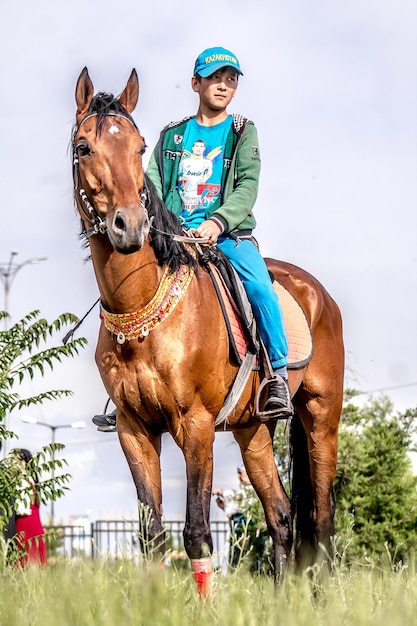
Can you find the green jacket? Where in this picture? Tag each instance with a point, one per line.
(240, 175)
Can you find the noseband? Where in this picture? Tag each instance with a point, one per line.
(87, 209)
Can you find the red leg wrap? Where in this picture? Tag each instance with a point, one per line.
(202, 572)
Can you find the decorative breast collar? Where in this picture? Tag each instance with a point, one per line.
(128, 326)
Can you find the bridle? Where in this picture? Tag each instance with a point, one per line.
(99, 225)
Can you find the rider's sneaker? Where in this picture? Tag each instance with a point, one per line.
(279, 399)
(106, 423)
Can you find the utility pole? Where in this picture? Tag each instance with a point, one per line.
(8, 273)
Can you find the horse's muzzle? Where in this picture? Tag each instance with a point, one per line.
(128, 229)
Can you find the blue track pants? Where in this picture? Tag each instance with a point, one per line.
(254, 275)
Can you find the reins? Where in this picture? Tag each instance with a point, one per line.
(189, 238)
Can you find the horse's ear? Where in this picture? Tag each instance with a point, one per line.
(84, 93)
(129, 97)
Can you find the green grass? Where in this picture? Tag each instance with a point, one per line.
(84, 593)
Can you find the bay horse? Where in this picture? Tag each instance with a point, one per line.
(174, 374)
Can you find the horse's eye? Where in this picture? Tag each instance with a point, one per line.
(143, 149)
(83, 149)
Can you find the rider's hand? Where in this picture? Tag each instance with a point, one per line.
(208, 230)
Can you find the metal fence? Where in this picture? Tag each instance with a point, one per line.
(115, 539)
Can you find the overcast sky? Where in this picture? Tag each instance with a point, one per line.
(332, 89)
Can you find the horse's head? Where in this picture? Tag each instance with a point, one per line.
(109, 180)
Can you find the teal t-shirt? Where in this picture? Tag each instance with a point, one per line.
(200, 170)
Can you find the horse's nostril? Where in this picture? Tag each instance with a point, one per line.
(119, 222)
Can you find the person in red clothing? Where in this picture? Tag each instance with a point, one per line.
(29, 528)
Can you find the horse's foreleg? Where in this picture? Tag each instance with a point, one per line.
(196, 442)
(257, 453)
(142, 451)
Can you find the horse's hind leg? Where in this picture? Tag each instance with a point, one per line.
(142, 450)
(314, 433)
(257, 452)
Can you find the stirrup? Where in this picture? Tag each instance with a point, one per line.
(105, 422)
(278, 413)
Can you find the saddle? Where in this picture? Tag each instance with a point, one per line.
(246, 348)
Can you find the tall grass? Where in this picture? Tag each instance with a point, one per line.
(85, 592)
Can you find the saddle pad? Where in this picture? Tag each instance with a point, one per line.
(297, 330)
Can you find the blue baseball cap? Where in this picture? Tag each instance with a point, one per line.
(213, 59)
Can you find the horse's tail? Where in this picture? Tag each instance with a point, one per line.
(301, 491)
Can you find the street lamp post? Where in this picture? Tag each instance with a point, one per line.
(53, 428)
(8, 273)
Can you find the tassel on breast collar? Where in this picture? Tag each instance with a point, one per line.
(128, 326)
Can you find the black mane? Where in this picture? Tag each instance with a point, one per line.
(104, 104)
(165, 223)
